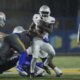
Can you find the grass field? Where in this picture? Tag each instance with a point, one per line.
(17, 77)
(69, 65)
(67, 61)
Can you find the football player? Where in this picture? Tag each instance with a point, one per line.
(43, 25)
(24, 62)
(9, 44)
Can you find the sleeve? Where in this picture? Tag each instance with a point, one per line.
(53, 21)
(32, 26)
(36, 18)
(14, 42)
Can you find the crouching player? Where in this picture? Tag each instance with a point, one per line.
(9, 44)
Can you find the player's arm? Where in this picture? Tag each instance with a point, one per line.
(32, 26)
(14, 41)
(33, 31)
(49, 28)
(46, 26)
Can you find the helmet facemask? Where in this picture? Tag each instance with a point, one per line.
(44, 15)
(44, 12)
(2, 22)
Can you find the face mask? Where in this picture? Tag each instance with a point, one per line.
(44, 15)
(44, 18)
(2, 23)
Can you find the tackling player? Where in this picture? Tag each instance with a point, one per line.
(43, 26)
(10, 42)
(24, 62)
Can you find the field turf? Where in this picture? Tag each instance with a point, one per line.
(69, 65)
(17, 77)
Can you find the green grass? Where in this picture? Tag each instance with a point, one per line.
(62, 62)
(67, 62)
(17, 77)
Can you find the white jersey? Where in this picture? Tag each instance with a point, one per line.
(42, 54)
(37, 18)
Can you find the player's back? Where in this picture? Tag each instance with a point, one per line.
(25, 38)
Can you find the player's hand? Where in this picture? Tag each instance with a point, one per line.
(43, 23)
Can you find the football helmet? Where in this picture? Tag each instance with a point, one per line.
(2, 19)
(44, 11)
(18, 29)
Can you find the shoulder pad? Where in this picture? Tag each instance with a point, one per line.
(36, 18)
(51, 20)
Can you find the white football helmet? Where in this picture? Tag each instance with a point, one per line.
(18, 29)
(2, 19)
(44, 11)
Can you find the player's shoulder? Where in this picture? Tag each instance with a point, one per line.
(36, 17)
(51, 19)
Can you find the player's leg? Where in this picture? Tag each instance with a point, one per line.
(40, 71)
(25, 60)
(23, 66)
(51, 53)
(22, 59)
(35, 53)
(24, 70)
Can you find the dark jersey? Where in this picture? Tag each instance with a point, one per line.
(26, 38)
(10, 44)
(18, 42)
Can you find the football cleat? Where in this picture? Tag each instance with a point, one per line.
(59, 75)
(21, 71)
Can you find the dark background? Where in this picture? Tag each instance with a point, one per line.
(66, 12)
(20, 12)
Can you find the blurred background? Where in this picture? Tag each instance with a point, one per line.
(66, 12)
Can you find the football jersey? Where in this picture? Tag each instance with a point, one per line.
(49, 20)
